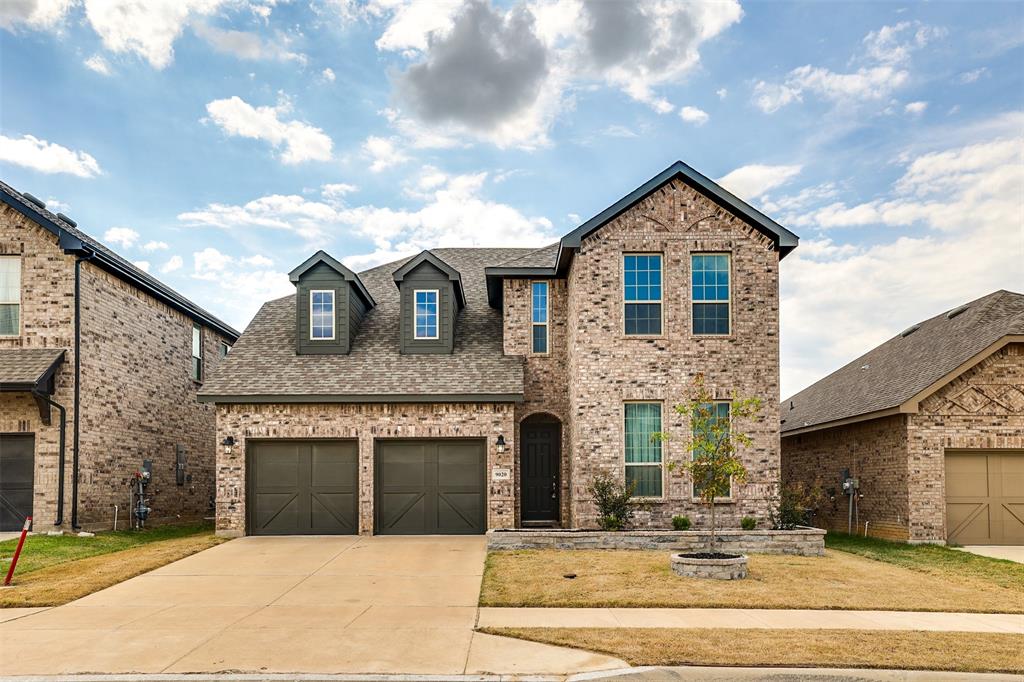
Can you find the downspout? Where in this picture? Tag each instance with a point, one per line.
(78, 387)
(60, 463)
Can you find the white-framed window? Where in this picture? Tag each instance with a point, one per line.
(642, 452)
(720, 410)
(321, 315)
(641, 294)
(539, 317)
(225, 348)
(197, 353)
(10, 295)
(711, 295)
(425, 322)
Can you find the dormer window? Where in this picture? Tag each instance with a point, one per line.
(321, 315)
(426, 314)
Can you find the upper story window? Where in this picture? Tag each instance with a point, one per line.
(426, 313)
(539, 317)
(10, 295)
(713, 415)
(321, 315)
(643, 453)
(197, 353)
(642, 293)
(224, 349)
(710, 293)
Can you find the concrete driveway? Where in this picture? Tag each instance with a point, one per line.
(1007, 552)
(289, 604)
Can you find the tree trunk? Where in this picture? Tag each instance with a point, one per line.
(712, 523)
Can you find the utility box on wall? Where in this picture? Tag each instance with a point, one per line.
(179, 466)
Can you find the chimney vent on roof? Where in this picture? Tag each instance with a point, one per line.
(34, 200)
(956, 311)
(909, 330)
(68, 220)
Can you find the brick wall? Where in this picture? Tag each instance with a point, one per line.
(875, 452)
(981, 409)
(364, 422)
(607, 368)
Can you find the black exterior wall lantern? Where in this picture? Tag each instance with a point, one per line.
(501, 443)
(228, 443)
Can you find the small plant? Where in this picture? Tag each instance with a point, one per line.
(680, 523)
(795, 505)
(748, 523)
(614, 502)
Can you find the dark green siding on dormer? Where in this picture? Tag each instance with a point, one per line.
(426, 276)
(348, 312)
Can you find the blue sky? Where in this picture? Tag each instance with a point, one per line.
(219, 142)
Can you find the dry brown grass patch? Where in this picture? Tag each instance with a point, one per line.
(65, 582)
(915, 650)
(838, 580)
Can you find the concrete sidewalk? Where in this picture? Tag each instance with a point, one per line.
(787, 619)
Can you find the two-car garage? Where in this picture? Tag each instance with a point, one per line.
(420, 487)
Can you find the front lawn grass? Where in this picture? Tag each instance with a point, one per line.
(945, 651)
(932, 559)
(642, 578)
(59, 569)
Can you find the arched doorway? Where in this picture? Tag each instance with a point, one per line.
(540, 455)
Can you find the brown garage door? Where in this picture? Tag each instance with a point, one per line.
(427, 487)
(17, 465)
(303, 487)
(985, 497)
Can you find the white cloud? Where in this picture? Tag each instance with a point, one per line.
(258, 261)
(384, 153)
(173, 263)
(770, 97)
(615, 130)
(328, 75)
(291, 213)
(209, 263)
(155, 246)
(694, 115)
(34, 14)
(915, 108)
(143, 265)
(973, 75)
(894, 44)
(47, 157)
(335, 191)
(751, 181)
(722, 93)
(301, 141)
(958, 233)
(98, 64)
(125, 237)
(247, 45)
(239, 284)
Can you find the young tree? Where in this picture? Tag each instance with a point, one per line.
(714, 443)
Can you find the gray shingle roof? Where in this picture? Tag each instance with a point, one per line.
(110, 260)
(264, 363)
(543, 257)
(899, 369)
(26, 366)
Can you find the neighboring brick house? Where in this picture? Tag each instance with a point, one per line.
(930, 423)
(144, 351)
(470, 388)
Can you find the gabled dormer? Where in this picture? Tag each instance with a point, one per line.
(431, 298)
(330, 304)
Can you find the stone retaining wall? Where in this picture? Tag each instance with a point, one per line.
(801, 541)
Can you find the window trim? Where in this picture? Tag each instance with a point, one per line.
(19, 303)
(719, 499)
(197, 371)
(660, 465)
(660, 302)
(437, 315)
(334, 315)
(547, 318)
(225, 349)
(728, 302)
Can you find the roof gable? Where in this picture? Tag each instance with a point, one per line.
(321, 257)
(427, 258)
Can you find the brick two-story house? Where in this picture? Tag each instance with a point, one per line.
(466, 389)
(99, 368)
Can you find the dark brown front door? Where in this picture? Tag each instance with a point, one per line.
(303, 487)
(539, 471)
(17, 472)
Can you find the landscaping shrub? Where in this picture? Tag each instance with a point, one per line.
(680, 523)
(614, 502)
(748, 523)
(795, 505)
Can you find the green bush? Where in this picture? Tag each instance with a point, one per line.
(614, 502)
(680, 523)
(796, 505)
(748, 523)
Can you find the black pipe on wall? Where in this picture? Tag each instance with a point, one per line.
(60, 462)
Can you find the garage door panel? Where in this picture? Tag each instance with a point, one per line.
(985, 497)
(17, 476)
(430, 486)
(303, 487)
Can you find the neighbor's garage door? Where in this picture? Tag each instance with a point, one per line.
(17, 465)
(985, 497)
(430, 487)
(303, 487)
